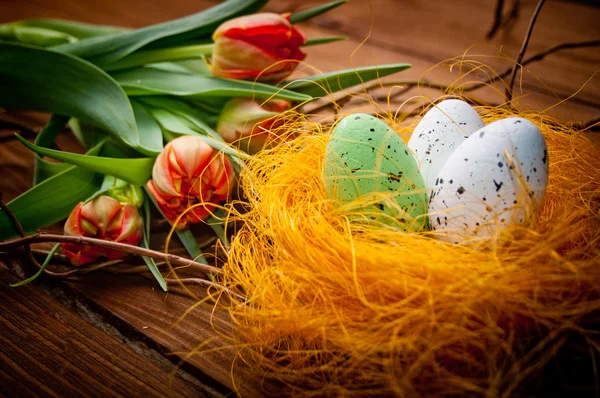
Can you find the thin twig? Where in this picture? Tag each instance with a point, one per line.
(497, 20)
(513, 75)
(534, 58)
(409, 85)
(500, 21)
(591, 126)
(82, 240)
(513, 15)
(20, 230)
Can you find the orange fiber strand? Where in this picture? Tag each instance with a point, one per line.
(338, 308)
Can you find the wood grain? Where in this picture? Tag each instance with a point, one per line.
(48, 350)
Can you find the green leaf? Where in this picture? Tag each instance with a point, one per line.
(42, 268)
(176, 116)
(34, 36)
(78, 30)
(161, 55)
(178, 125)
(47, 81)
(171, 122)
(185, 235)
(146, 243)
(313, 12)
(135, 171)
(328, 83)
(106, 49)
(216, 223)
(44, 169)
(196, 66)
(86, 134)
(191, 245)
(323, 40)
(149, 130)
(152, 81)
(50, 201)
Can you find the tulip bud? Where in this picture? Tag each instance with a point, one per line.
(249, 124)
(187, 172)
(127, 193)
(263, 46)
(104, 218)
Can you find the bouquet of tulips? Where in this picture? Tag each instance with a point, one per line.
(156, 110)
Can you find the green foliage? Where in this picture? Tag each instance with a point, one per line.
(328, 83)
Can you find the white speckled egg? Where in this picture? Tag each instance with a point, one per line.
(365, 159)
(498, 176)
(442, 129)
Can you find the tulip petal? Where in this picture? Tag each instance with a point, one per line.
(262, 46)
(100, 212)
(72, 226)
(191, 154)
(234, 58)
(131, 226)
(161, 174)
(253, 24)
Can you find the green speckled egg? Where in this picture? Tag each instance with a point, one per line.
(366, 159)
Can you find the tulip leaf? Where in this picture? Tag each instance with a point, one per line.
(323, 40)
(103, 50)
(204, 110)
(44, 169)
(171, 122)
(216, 223)
(146, 243)
(176, 116)
(178, 125)
(185, 236)
(328, 83)
(152, 81)
(135, 171)
(50, 201)
(191, 245)
(42, 268)
(47, 81)
(34, 36)
(150, 133)
(197, 66)
(141, 58)
(313, 12)
(78, 30)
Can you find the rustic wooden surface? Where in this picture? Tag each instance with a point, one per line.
(105, 334)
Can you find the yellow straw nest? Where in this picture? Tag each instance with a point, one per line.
(339, 308)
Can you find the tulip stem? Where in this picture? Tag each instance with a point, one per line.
(124, 247)
(161, 55)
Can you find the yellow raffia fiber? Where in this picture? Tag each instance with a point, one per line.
(336, 308)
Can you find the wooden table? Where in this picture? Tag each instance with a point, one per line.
(109, 335)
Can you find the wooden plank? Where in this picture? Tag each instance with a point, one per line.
(47, 350)
(436, 30)
(161, 317)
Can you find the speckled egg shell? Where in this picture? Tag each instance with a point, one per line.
(498, 176)
(442, 129)
(366, 159)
